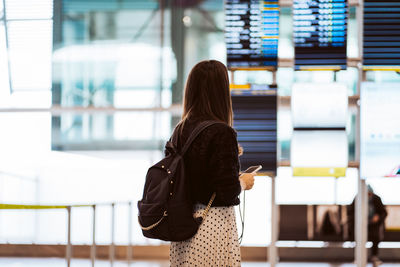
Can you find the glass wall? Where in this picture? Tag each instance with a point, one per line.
(90, 91)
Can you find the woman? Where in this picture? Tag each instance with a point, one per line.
(212, 165)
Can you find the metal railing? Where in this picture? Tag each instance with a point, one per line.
(68, 208)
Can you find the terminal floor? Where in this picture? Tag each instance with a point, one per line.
(55, 262)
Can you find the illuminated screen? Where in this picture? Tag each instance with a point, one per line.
(392, 221)
(319, 153)
(251, 33)
(319, 145)
(319, 105)
(320, 33)
(255, 123)
(380, 129)
(381, 46)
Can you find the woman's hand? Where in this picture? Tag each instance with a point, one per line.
(375, 218)
(240, 148)
(247, 180)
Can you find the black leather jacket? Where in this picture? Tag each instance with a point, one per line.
(212, 164)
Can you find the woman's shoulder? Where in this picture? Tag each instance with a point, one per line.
(219, 133)
(222, 128)
(218, 128)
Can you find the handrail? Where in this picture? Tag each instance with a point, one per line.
(58, 110)
(68, 257)
(9, 206)
(30, 207)
(175, 109)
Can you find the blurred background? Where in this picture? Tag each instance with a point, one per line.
(90, 90)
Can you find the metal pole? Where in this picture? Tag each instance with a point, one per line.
(161, 50)
(274, 77)
(360, 27)
(272, 250)
(7, 46)
(158, 116)
(129, 249)
(37, 199)
(364, 213)
(112, 246)
(93, 250)
(361, 224)
(69, 246)
(335, 200)
(361, 74)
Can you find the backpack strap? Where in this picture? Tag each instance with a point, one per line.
(172, 143)
(199, 128)
(174, 137)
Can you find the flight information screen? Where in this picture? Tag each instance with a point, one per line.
(380, 130)
(320, 34)
(255, 113)
(381, 46)
(251, 33)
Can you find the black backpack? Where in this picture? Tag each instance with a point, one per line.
(166, 211)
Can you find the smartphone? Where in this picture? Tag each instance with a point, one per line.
(253, 169)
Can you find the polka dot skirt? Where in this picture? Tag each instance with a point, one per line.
(215, 243)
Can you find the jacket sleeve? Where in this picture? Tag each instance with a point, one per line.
(224, 165)
(380, 209)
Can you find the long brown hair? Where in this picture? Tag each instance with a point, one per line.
(207, 94)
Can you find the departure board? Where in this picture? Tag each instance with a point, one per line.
(381, 45)
(379, 131)
(320, 34)
(255, 113)
(251, 33)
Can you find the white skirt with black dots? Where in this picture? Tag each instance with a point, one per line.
(215, 243)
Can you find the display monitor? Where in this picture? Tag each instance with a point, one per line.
(320, 34)
(322, 153)
(251, 33)
(380, 130)
(392, 222)
(255, 113)
(319, 106)
(381, 41)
